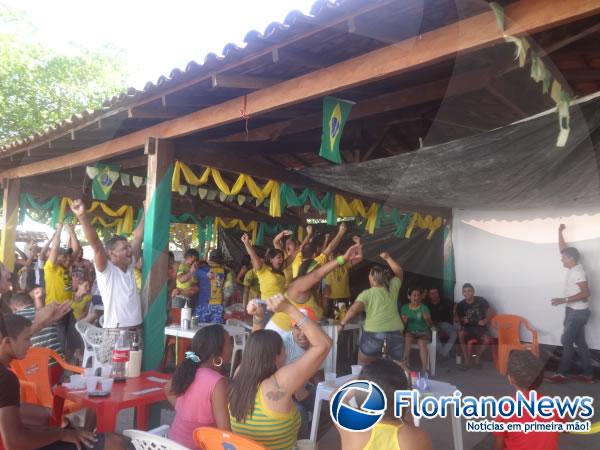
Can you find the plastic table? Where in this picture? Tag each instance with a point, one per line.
(123, 395)
(437, 389)
(179, 333)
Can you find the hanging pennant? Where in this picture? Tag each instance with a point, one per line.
(222, 196)
(212, 195)
(91, 171)
(125, 179)
(193, 190)
(241, 199)
(182, 189)
(335, 115)
(103, 182)
(202, 193)
(137, 181)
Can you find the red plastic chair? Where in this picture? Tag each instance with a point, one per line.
(34, 375)
(508, 328)
(209, 438)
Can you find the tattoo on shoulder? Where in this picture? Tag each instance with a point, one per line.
(275, 395)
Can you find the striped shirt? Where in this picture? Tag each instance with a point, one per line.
(46, 337)
(274, 430)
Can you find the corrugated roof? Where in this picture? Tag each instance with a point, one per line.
(276, 32)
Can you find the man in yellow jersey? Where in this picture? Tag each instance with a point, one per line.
(59, 286)
(337, 285)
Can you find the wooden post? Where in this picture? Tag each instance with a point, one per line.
(10, 215)
(156, 248)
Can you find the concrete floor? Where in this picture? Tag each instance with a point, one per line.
(484, 381)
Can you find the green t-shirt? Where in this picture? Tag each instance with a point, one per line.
(416, 323)
(381, 307)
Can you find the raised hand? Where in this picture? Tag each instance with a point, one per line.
(278, 303)
(309, 229)
(78, 208)
(353, 252)
(356, 239)
(245, 239)
(384, 255)
(287, 232)
(343, 227)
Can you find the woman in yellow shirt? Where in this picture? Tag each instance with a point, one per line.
(390, 433)
(269, 272)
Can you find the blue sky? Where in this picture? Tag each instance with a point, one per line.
(156, 36)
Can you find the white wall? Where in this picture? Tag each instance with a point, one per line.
(513, 261)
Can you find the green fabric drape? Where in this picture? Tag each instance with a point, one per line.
(400, 220)
(26, 201)
(449, 274)
(327, 203)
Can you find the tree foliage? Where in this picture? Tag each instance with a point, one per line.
(40, 86)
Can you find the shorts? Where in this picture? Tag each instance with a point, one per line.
(179, 301)
(60, 445)
(371, 344)
(425, 335)
(475, 332)
(210, 313)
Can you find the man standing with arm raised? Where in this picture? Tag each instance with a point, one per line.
(115, 264)
(577, 314)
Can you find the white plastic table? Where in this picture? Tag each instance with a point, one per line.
(331, 329)
(437, 389)
(175, 330)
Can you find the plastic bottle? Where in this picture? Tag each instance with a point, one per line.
(135, 358)
(186, 316)
(120, 357)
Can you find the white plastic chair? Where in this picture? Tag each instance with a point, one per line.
(88, 351)
(432, 350)
(239, 339)
(146, 440)
(102, 340)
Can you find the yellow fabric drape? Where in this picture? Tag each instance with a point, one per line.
(271, 188)
(124, 213)
(425, 223)
(117, 223)
(251, 227)
(357, 208)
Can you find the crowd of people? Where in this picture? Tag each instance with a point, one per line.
(286, 292)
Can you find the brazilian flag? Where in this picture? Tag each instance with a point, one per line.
(104, 181)
(335, 114)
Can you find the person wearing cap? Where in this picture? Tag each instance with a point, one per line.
(59, 285)
(577, 314)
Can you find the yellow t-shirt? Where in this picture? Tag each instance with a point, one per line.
(137, 274)
(283, 321)
(320, 260)
(58, 283)
(217, 281)
(184, 268)
(251, 281)
(79, 307)
(271, 283)
(384, 436)
(288, 272)
(339, 282)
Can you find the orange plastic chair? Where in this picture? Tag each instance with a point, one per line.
(508, 328)
(34, 376)
(209, 438)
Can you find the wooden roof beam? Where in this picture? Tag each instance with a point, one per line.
(241, 82)
(523, 17)
(300, 57)
(144, 112)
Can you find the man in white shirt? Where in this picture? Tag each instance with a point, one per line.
(114, 263)
(577, 314)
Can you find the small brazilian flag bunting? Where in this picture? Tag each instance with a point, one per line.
(137, 181)
(335, 115)
(103, 182)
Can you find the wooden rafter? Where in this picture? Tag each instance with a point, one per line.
(467, 35)
(241, 82)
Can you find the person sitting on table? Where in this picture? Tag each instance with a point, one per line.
(198, 390)
(383, 323)
(417, 323)
(186, 286)
(261, 400)
(473, 314)
(390, 433)
(15, 340)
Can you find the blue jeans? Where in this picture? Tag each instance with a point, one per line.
(448, 329)
(574, 333)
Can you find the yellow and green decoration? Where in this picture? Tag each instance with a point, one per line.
(335, 115)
